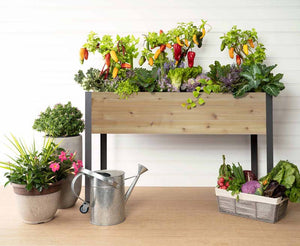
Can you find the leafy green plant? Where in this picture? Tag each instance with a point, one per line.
(145, 79)
(286, 174)
(258, 77)
(126, 88)
(60, 121)
(226, 76)
(37, 169)
(235, 185)
(92, 81)
(179, 75)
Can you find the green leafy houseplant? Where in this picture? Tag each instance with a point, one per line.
(60, 121)
(37, 169)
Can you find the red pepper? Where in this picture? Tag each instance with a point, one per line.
(86, 54)
(177, 51)
(162, 47)
(191, 56)
(107, 59)
(238, 60)
(125, 65)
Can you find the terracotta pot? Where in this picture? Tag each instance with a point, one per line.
(37, 207)
(67, 198)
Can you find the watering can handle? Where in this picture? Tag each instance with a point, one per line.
(92, 174)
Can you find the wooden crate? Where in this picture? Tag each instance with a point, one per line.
(162, 113)
(251, 206)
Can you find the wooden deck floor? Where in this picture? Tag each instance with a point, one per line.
(156, 217)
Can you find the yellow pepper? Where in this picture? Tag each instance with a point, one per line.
(195, 39)
(157, 53)
(114, 56)
(81, 54)
(115, 72)
(179, 41)
(203, 33)
(169, 45)
(245, 49)
(186, 43)
(150, 61)
(231, 52)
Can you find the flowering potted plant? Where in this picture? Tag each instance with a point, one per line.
(64, 124)
(36, 177)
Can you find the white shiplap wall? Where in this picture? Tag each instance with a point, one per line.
(39, 57)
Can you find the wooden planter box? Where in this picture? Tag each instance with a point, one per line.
(162, 113)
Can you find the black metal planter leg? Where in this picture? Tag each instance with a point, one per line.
(88, 141)
(269, 109)
(254, 155)
(103, 144)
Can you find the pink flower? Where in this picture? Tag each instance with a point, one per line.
(74, 165)
(62, 156)
(79, 164)
(54, 166)
(71, 156)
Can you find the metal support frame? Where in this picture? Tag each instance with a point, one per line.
(269, 136)
(88, 140)
(103, 151)
(254, 155)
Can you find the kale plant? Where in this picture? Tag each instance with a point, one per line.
(92, 80)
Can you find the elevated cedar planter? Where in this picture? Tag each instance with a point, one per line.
(161, 113)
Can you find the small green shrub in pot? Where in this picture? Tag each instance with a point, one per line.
(60, 121)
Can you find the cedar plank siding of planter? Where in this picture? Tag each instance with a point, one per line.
(162, 113)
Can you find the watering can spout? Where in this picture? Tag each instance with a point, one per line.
(141, 170)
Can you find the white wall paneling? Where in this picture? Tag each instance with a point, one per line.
(40, 41)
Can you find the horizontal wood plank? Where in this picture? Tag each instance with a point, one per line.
(162, 113)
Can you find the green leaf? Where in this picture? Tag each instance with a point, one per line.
(201, 101)
(207, 89)
(183, 105)
(271, 89)
(193, 105)
(279, 176)
(196, 93)
(242, 90)
(189, 100)
(277, 78)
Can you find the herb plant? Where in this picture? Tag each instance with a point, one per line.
(60, 121)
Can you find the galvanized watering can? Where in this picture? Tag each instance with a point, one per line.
(107, 195)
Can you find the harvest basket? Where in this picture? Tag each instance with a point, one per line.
(251, 206)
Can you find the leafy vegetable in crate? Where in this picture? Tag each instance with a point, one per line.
(286, 174)
(249, 175)
(251, 187)
(274, 189)
(225, 175)
(235, 185)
